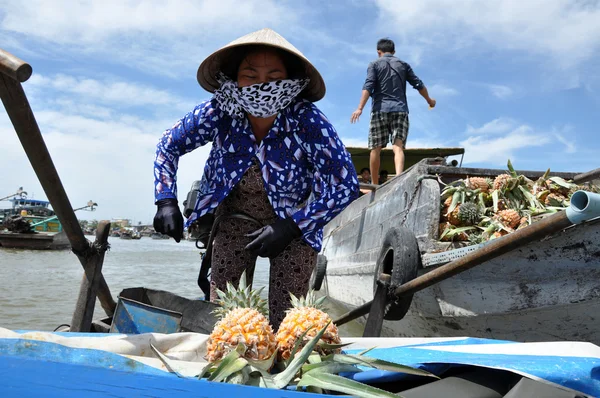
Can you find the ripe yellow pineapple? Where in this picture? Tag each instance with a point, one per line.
(306, 312)
(478, 183)
(501, 181)
(453, 217)
(509, 218)
(499, 234)
(523, 223)
(243, 320)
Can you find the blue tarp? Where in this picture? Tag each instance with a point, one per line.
(573, 365)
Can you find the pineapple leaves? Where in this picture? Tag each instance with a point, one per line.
(496, 200)
(330, 367)
(283, 378)
(341, 384)
(511, 169)
(455, 199)
(328, 346)
(230, 364)
(562, 182)
(379, 364)
(297, 345)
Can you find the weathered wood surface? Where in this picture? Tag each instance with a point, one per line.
(88, 291)
(451, 173)
(586, 177)
(37, 241)
(546, 290)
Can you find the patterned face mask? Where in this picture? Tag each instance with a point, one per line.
(260, 100)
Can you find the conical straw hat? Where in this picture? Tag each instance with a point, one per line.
(207, 72)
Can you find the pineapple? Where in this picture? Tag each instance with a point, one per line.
(555, 199)
(524, 222)
(465, 214)
(306, 312)
(448, 201)
(498, 234)
(469, 214)
(243, 320)
(509, 218)
(480, 183)
(453, 216)
(501, 181)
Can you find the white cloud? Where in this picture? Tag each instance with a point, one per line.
(567, 31)
(497, 150)
(165, 38)
(569, 145)
(102, 146)
(502, 139)
(109, 161)
(441, 90)
(496, 126)
(500, 91)
(113, 92)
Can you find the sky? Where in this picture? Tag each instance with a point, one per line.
(513, 79)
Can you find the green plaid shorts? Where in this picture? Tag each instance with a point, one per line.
(387, 127)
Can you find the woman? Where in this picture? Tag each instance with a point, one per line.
(274, 157)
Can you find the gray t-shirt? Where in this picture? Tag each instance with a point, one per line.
(386, 82)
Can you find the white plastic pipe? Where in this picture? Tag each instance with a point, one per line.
(584, 206)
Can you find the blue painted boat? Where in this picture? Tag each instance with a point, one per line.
(123, 365)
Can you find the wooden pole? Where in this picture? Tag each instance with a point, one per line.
(84, 310)
(377, 309)
(585, 177)
(20, 114)
(13, 67)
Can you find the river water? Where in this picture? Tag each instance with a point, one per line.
(39, 289)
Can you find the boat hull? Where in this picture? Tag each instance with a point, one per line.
(37, 241)
(546, 290)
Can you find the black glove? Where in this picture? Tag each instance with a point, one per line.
(270, 241)
(168, 219)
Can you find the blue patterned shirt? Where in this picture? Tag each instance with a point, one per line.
(307, 172)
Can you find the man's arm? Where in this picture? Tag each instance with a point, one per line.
(361, 104)
(419, 86)
(425, 94)
(366, 92)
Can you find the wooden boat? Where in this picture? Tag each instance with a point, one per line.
(546, 290)
(35, 241)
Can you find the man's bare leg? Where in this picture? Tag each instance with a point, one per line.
(374, 161)
(398, 149)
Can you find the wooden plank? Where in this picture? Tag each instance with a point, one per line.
(84, 309)
(450, 173)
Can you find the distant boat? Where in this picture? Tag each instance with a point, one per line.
(33, 211)
(35, 241)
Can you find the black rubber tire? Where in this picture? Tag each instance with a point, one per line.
(318, 275)
(400, 257)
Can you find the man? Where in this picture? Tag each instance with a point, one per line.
(365, 175)
(383, 176)
(386, 85)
